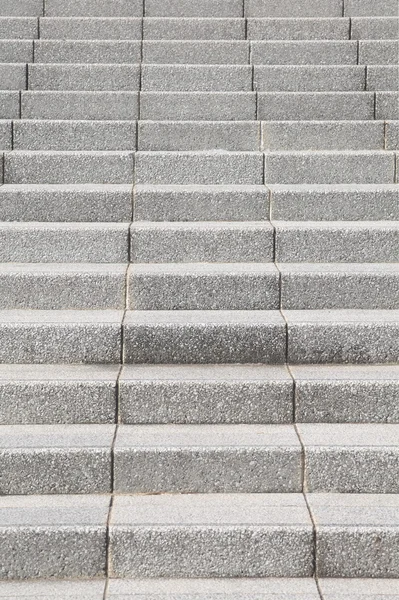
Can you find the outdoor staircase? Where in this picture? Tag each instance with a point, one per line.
(199, 300)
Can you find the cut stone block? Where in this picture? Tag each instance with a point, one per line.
(194, 28)
(193, 8)
(43, 536)
(285, 8)
(359, 589)
(207, 459)
(204, 337)
(9, 105)
(49, 590)
(39, 394)
(379, 52)
(304, 52)
(383, 78)
(392, 135)
(193, 52)
(309, 78)
(18, 28)
(13, 76)
(75, 77)
(320, 106)
(387, 105)
(374, 28)
(211, 535)
(298, 28)
(87, 51)
(16, 51)
(55, 459)
(22, 8)
(205, 394)
(374, 8)
(5, 135)
(90, 28)
(196, 78)
(94, 8)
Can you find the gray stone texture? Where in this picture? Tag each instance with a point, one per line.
(18, 28)
(79, 105)
(196, 78)
(55, 459)
(342, 336)
(387, 105)
(194, 51)
(57, 394)
(92, 51)
(207, 459)
(60, 336)
(5, 135)
(201, 242)
(94, 8)
(217, 286)
(212, 167)
(61, 203)
(43, 536)
(64, 242)
(198, 203)
(309, 78)
(57, 167)
(307, 28)
(392, 135)
(359, 589)
(9, 105)
(13, 76)
(90, 28)
(379, 52)
(374, 28)
(193, 28)
(285, 8)
(193, 8)
(304, 52)
(205, 394)
(382, 78)
(200, 106)
(51, 590)
(204, 337)
(373, 8)
(22, 8)
(346, 393)
(16, 51)
(357, 535)
(75, 77)
(211, 535)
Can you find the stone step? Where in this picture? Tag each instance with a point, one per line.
(311, 78)
(6, 135)
(77, 105)
(74, 135)
(299, 28)
(13, 76)
(338, 286)
(193, 28)
(16, 51)
(18, 28)
(202, 203)
(91, 28)
(387, 105)
(78, 77)
(212, 167)
(33, 242)
(202, 286)
(305, 8)
(192, 52)
(334, 589)
(378, 52)
(54, 337)
(382, 78)
(59, 394)
(191, 8)
(330, 167)
(94, 8)
(23, 8)
(340, 242)
(371, 8)
(301, 52)
(320, 106)
(196, 78)
(198, 106)
(9, 104)
(204, 241)
(67, 203)
(54, 167)
(342, 336)
(374, 28)
(334, 202)
(205, 337)
(87, 51)
(62, 286)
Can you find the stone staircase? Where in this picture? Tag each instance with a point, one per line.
(199, 300)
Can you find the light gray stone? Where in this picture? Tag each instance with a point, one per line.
(198, 135)
(93, 77)
(68, 167)
(13, 76)
(201, 242)
(62, 286)
(322, 241)
(16, 51)
(333, 202)
(18, 28)
(359, 589)
(79, 105)
(323, 135)
(51, 590)
(22, 8)
(87, 51)
(374, 28)
(204, 337)
(357, 535)
(302, 52)
(205, 394)
(343, 336)
(344, 394)
(211, 535)
(60, 394)
(199, 203)
(76, 203)
(90, 28)
(195, 28)
(192, 106)
(339, 285)
(212, 167)
(392, 135)
(64, 242)
(307, 28)
(309, 78)
(43, 536)
(374, 8)
(196, 78)
(94, 8)
(207, 459)
(382, 78)
(320, 106)
(351, 458)
(387, 105)
(379, 52)
(193, 52)
(5, 135)
(55, 459)
(193, 8)
(74, 135)
(9, 105)
(202, 286)
(60, 336)
(285, 8)
(329, 167)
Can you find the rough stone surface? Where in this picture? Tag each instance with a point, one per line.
(193, 8)
(22, 8)
(285, 8)
(93, 51)
(196, 78)
(13, 76)
(93, 77)
(392, 135)
(359, 589)
(196, 52)
(94, 28)
(51, 590)
(193, 28)
(387, 105)
(16, 51)
(381, 52)
(304, 52)
(94, 8)
(383, 78)
(374, 8)
(9, 105)
(374, 28)
(307, 28)
(18, 28)
(320, 106)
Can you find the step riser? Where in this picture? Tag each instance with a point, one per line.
(83, 77)
(91, 52)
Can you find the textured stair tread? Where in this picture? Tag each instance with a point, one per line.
(16, 51)
(354, 510)
(60, 317)
(87, 51)
(58, 373)
(49, 590)
(359, 589)
(304, 52)
(374, 28)
(378, 52)
(193, 28)
(202, 269)
(301, 28)
(67, 437)
(94, 8)
(196, 52)
(339, 225)
(344, 317)
(339, 269)
(352, 435)
(204, 373)
(18, 28)
(187, 8)
(84, 77)
(309, 78)
(196, 78)
(90, 28)
(306, 8)
(199, 317)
